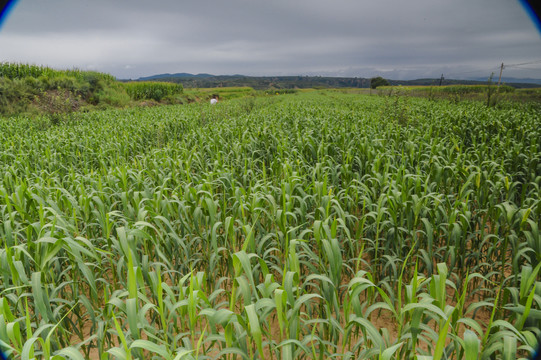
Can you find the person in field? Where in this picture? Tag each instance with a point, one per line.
(214, 100)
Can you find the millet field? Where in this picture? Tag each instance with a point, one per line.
(316, 225)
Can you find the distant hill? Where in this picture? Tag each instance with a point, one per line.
(258, 82)
(174, 76)
(302, 82)
(509, 80)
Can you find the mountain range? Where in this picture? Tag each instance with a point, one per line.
(290, 82)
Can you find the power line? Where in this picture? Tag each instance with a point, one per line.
(518, 65)
(525, 68)
(526, 63)
(473, 71)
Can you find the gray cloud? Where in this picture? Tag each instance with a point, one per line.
(396, 38)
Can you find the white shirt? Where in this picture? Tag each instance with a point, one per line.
(213, 101)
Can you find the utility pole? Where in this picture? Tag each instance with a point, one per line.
(441, 79)
(501, 70)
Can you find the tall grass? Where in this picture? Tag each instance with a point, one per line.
(21, 71)
(310, 227)
(152, 90)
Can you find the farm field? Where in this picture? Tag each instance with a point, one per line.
(302, 226)
(490, 94)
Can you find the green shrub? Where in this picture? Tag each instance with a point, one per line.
(151, 90)
(378, 81)
(15, 95)
(281, 91)
(112, 95)
(173, 100)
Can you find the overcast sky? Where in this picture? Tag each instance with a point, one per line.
(397, 39)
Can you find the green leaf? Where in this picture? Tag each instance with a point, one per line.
(71, 353)
(471, 345)
(255, 329)
(440, 345)
(389, 352)
(509, 348)
(152, 347)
